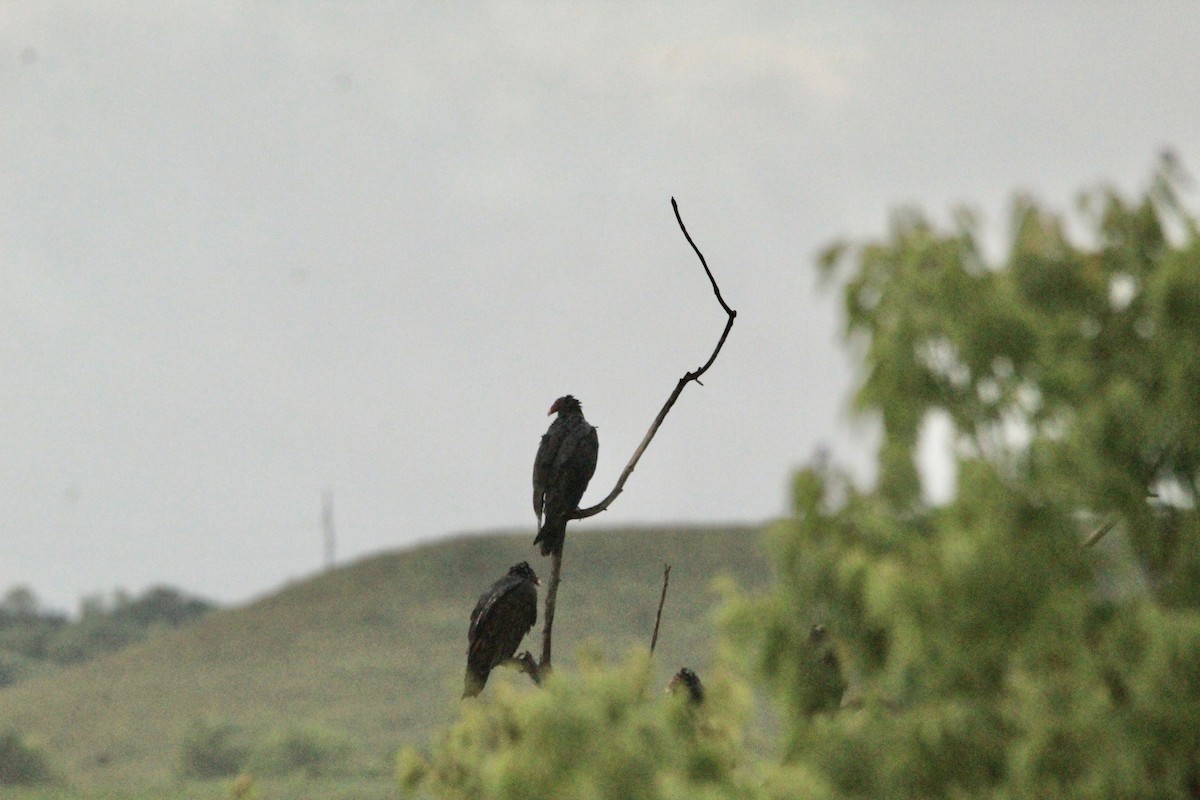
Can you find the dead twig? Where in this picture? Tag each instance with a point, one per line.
(662, 598)
(1100, 533)
(684, 381)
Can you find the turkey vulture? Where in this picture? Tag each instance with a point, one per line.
(502, 617)
(686, 678)
(565, 462)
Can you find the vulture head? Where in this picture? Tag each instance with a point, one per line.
(567, 404)
(525, 572)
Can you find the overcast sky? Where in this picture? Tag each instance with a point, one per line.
(252, 251)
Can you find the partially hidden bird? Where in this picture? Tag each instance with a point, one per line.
(686, 679)
(502, 617)
(564, 464)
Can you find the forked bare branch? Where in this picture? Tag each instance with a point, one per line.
(684, 381)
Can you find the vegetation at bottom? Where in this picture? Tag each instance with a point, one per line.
(243, 787)
(592, 732)
(1037, 635)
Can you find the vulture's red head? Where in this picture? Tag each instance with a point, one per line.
(567, 404)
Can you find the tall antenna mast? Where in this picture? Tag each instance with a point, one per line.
(327, 527)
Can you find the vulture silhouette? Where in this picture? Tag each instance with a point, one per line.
(686, 679)
(502, 617)
(564, 464)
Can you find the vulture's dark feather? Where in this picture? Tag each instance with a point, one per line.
(686, 679)
(565, 462)
(502, 617)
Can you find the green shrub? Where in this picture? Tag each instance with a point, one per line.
(23, 763)
(16, 667)
(311, 749)
(598, 733)
(212, 749)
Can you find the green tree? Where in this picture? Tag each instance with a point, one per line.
(161, 606)
(989, 649)
(25, 633)
(108, 625)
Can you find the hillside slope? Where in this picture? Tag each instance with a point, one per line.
(374, 649)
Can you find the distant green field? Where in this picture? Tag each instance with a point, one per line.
(295, 788)
(373, 650)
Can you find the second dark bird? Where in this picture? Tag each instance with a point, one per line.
(687, 680)
(564, 465)
(502, 617)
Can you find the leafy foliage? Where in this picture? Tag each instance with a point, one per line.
(600, 732)
(1071, 368)
(986, 648)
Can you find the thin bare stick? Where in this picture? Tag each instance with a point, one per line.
(684, 381)
(551, 599)
(1100, 532)
(661, 599)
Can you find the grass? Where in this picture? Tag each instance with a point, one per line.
(373, 651)
(294, 788)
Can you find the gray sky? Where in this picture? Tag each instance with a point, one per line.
(251, 251)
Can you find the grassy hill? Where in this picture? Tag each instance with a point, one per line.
(375, 649)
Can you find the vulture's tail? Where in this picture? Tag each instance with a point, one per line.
(551, 536)
(473, 684)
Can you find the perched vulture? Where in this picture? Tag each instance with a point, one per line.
(502, 617)
(565, 462)
(685, 678)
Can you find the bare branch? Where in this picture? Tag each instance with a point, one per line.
(661, 599)
(551, 599)
(684, 381)
(1100, 532)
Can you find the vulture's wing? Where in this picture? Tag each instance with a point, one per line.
(543, 464)
(571, 431)
(501, 621)
(487, 601)
(577, 463)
